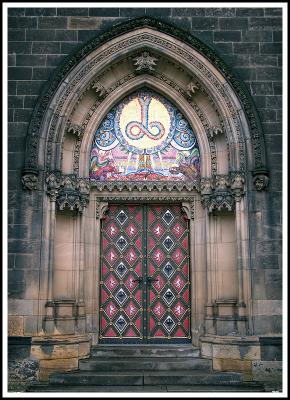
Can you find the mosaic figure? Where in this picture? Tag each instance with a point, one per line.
(144, 137)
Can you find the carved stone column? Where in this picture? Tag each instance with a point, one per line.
(53, 184)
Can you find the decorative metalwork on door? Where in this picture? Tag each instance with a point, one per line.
(145, 292)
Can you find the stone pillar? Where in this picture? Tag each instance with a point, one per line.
(53, 183)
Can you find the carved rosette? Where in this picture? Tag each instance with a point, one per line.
(69, 192)
(260, 179)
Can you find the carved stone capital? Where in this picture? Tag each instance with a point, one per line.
(29, 179)
(101, 209)
(227, 190)
(260, 179)
(68, 191)
(189, 209)
(145, 62)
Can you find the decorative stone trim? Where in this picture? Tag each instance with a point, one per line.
(68, 191)
(223, 191)
(145, 186)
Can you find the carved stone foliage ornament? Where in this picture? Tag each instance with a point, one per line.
(222, 192)
(145, 62)
(74, 129)
(99, 89)
(192, 87)
(69, 192)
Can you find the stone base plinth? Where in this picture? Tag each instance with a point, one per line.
(248, 355)
(59, 353)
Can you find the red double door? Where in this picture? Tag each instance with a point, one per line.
(145, 293)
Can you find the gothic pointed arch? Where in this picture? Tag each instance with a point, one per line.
(146, 52)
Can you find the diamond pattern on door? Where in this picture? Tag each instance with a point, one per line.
(121, 312)
(172, 270)
(144, 274)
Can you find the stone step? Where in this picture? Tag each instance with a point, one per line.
(144, 351)
(146, 389)
(153, 378)
(150, 363)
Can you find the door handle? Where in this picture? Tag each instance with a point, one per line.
(139, 280)
(150, 279)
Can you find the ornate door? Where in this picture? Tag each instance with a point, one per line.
(144, 275)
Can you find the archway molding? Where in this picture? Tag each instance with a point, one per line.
(202, 71)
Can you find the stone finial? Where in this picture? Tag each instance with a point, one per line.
(29, 181)
(191, 88)
(145, 62)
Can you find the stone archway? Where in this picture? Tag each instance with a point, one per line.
(146, 52)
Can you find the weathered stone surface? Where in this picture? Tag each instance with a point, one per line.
(228, 364)
(65, 364)
(267, 370)
(51, 352)
(84, 349)
(250, 352)
(206, 350)
(15, 325)
(224, 351)
(267, 307)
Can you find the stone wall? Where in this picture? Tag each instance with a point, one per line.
(249, 40)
